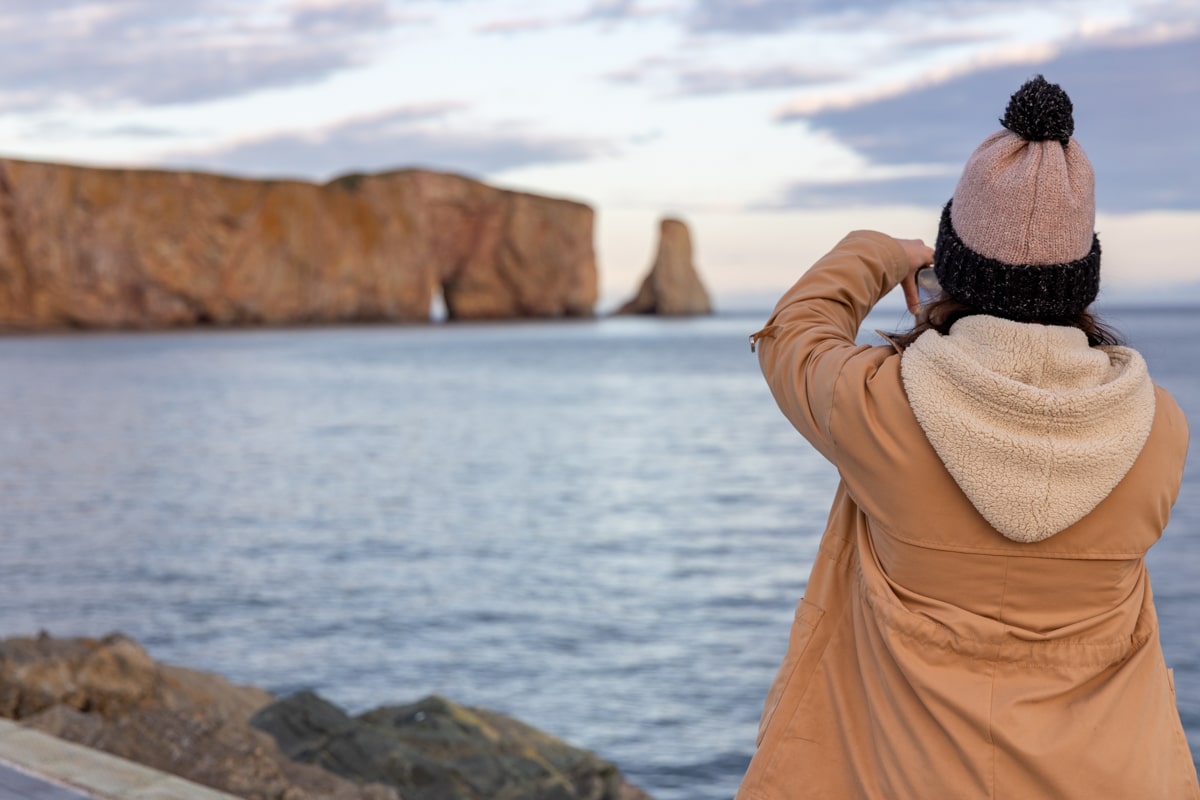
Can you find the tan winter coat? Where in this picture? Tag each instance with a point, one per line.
(979, 620)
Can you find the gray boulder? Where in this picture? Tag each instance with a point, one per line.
(435, 749)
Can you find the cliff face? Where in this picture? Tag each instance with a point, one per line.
(673, 286)
(110, 248)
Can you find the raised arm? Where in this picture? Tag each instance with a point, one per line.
(809, 339)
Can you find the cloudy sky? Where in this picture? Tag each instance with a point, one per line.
(772, 127)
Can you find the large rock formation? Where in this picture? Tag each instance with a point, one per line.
(110, 695)
(117, 248)
(673, 286)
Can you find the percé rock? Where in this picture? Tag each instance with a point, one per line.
(109, 694)
(435, 749)
(129, 248)
(673, 286)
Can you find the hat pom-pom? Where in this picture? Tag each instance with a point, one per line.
(1040, 111)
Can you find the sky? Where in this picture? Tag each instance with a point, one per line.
(771, 127)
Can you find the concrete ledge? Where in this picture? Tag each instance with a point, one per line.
(93, 772)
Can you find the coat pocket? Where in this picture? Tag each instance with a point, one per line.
(803, 626)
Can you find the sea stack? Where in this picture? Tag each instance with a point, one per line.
(673, 286)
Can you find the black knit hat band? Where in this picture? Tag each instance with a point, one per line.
(1020, 292)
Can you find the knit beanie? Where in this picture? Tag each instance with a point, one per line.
(1017, 240)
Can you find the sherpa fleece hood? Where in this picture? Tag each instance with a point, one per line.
(1035, 426)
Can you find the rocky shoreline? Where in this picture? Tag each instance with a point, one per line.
(109, 694)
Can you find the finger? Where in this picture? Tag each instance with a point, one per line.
(911, 296)
(921, 255)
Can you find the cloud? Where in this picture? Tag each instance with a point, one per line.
(604, 12)
(643, 71)
(921, 190)
(760, 17)
(952, 38)
(692, 81)
(147, 52)
(421, 136)
(769, 16)
(138, 132)
(718, 81)
(1137, 107)
(516, 25)
(619, 11)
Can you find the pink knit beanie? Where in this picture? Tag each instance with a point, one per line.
(1017, 240)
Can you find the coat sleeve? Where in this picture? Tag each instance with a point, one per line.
(807, 348)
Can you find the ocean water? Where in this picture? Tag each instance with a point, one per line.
(601, 527)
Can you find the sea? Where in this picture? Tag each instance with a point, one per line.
(600, 526)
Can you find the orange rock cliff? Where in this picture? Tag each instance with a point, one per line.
(123, 248)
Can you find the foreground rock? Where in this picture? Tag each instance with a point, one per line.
(110, 695)
(113, 248)
(438, 750)
(673, 286)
